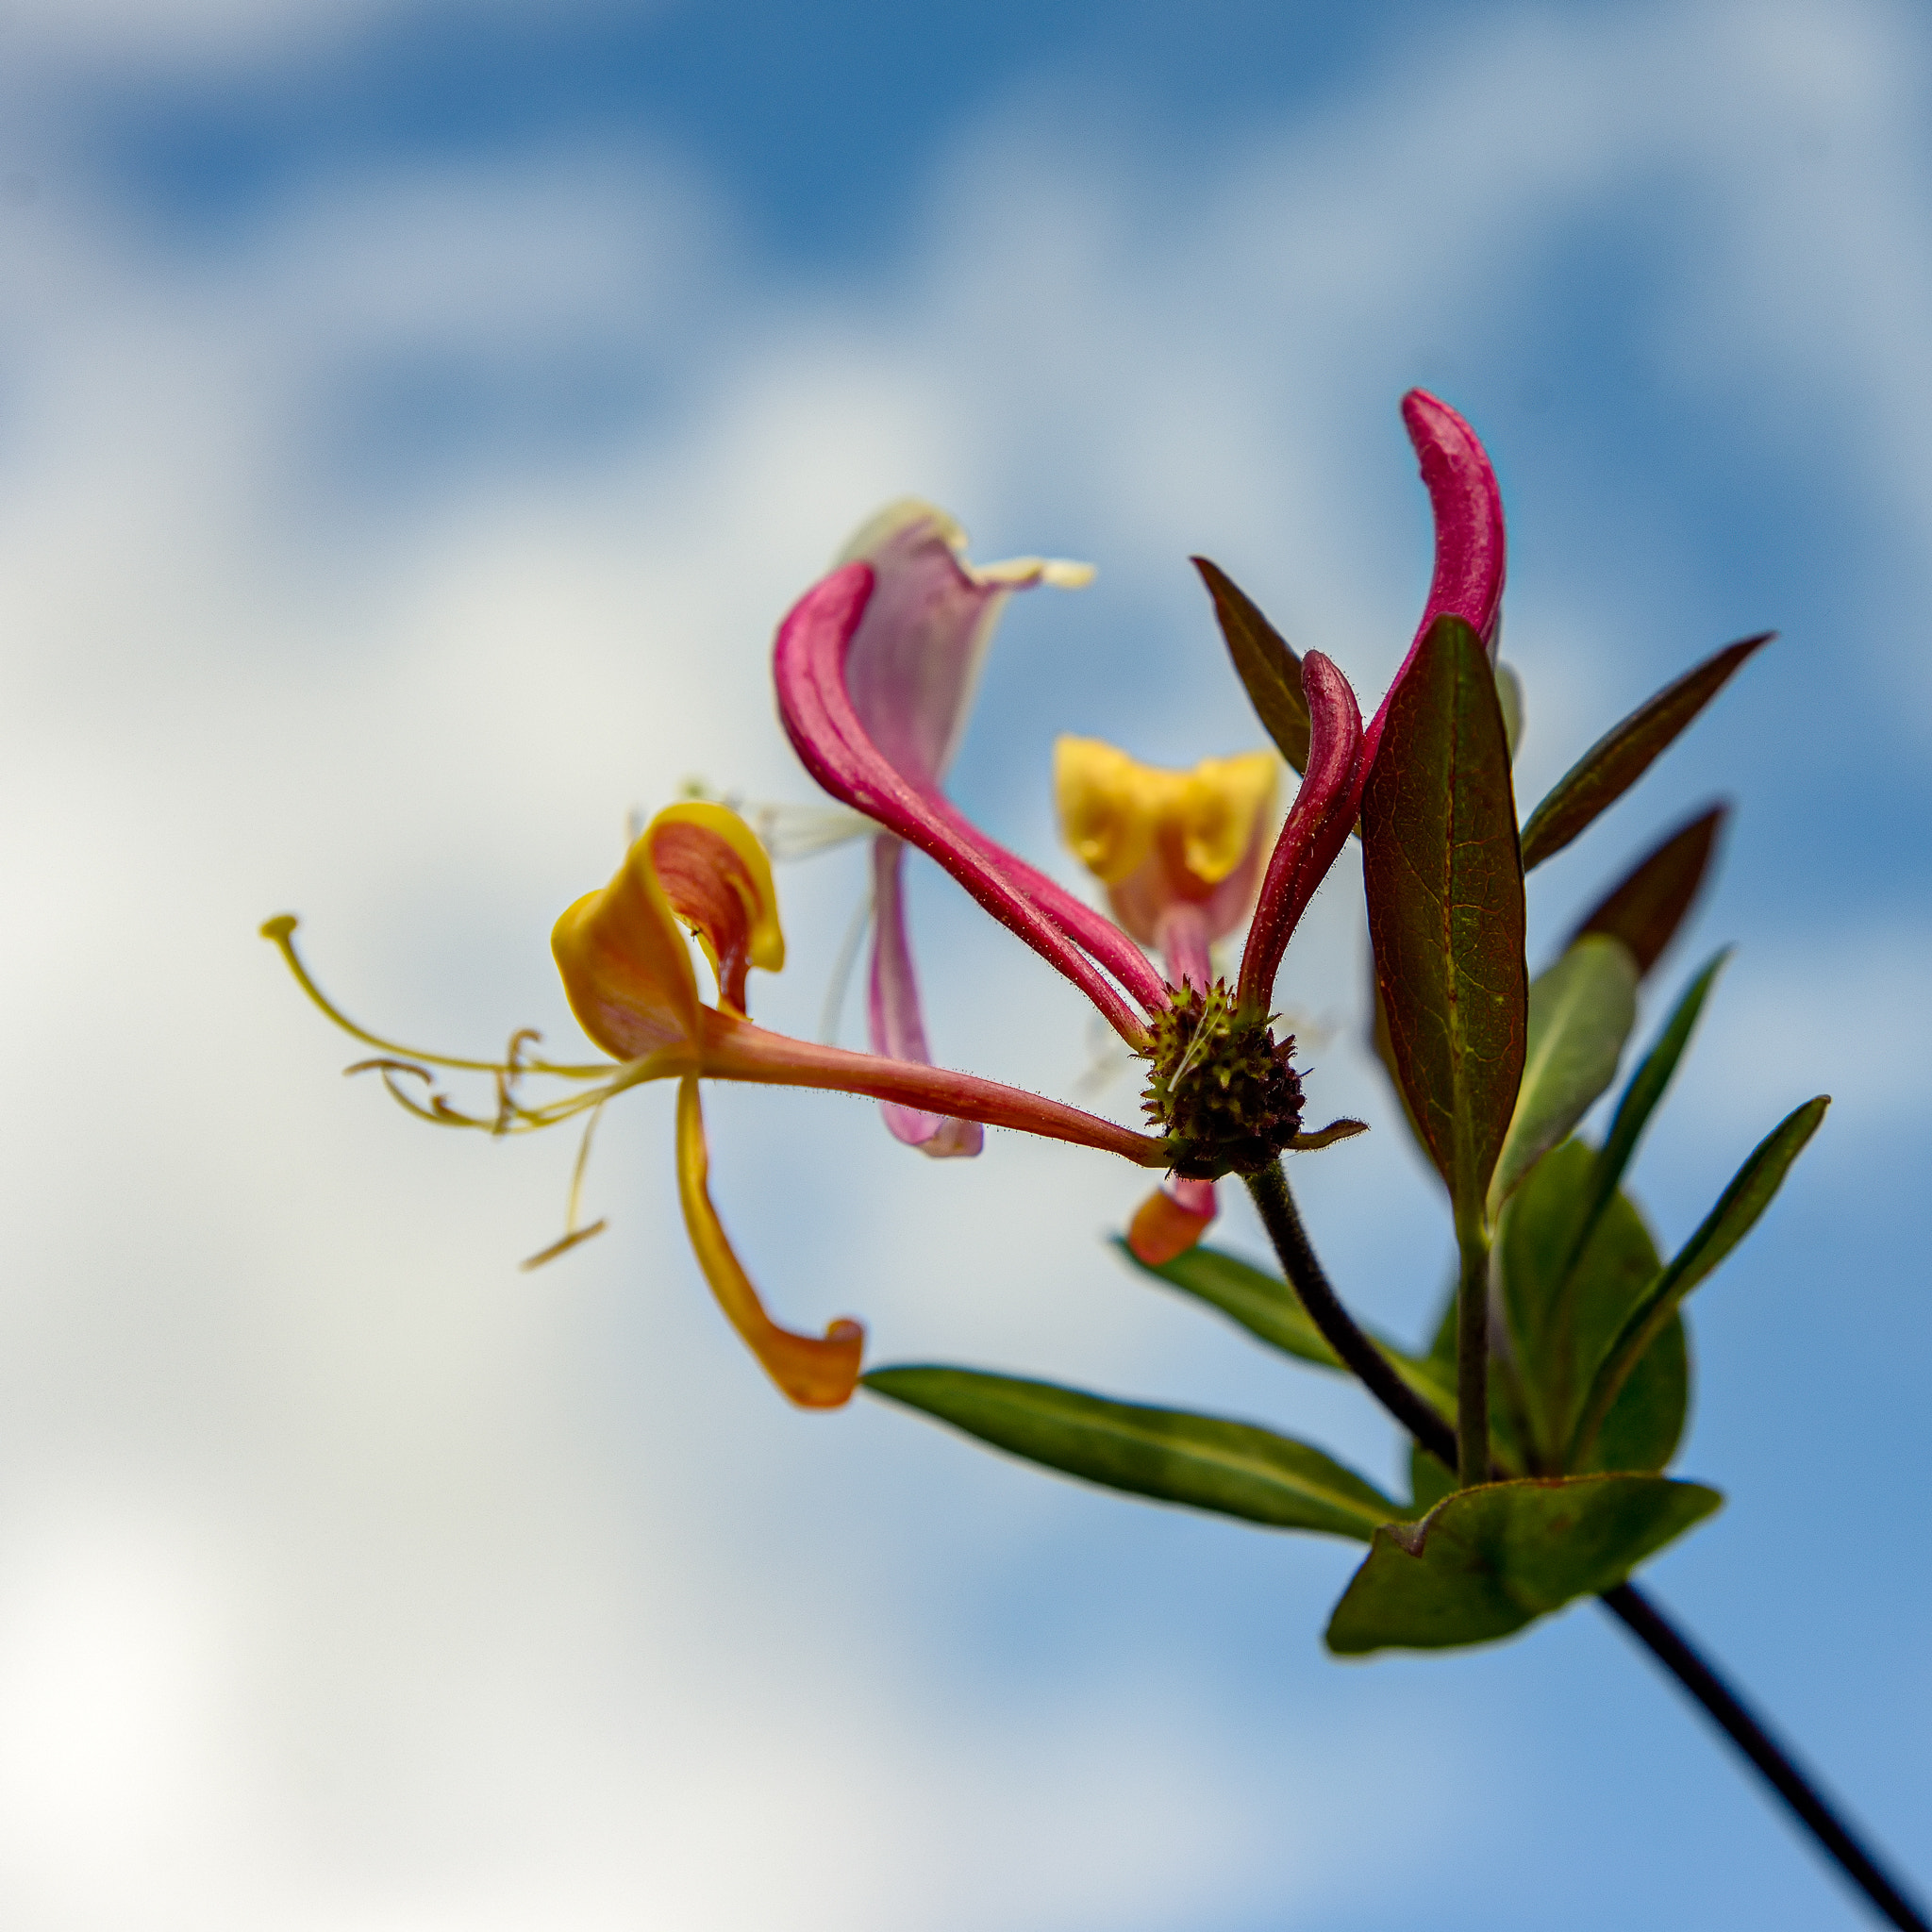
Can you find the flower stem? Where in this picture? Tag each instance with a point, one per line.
(1645, 1621)
(1623, 1601)
(1283, 1220)
(1473, 1364)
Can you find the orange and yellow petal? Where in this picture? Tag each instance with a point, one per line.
(623, 953)
(1169, 1222)
(813, 1374)
(718, 879)
(1109, 805)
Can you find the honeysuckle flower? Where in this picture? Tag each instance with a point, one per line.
(1221, 1087)
(626, 968)
(911, 669)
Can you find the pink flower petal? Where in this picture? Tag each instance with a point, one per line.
(1317, 825)
(913, 662)
(1468, 509)
(814, 704)
(894, 1022)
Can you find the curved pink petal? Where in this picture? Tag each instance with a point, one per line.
(1468, 509)
(896, 1027)
(1182, 931)
(911, 666)
(808, 666)
(1317, 825)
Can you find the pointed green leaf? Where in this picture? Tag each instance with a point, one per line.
(1648, 905)
(1623, 753)
(1232, 1469)
(1487, 1560)
(1564, 1299)
(1270, 1311)
(1580, 1013)
(1263, 1303)
(1445, 908)
(1736, 1214)
(1263, 662)
(1640, 1097)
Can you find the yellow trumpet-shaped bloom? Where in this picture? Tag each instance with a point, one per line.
(697, 869)
(627, 973)
(1161, 838)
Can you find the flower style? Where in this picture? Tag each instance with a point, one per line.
(628, 971)
(911, 670)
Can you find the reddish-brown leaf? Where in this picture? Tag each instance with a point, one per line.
(1445, 883)
(1623, 753)
(1265, 663)
(1648, 905)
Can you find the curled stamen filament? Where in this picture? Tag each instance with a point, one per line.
(280, 930)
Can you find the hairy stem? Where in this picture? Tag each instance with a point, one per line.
(1625, 1601)
(1473, 1364)
(1283, 1220)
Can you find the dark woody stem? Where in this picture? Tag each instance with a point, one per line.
(1625, 1602)
(1283, 1220)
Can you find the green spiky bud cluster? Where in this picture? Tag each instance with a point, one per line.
(1222, 1090)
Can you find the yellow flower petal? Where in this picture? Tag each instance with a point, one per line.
(1109, 805)
(1223, 801)
(626, 965)
(718, 878)
(813, 1374)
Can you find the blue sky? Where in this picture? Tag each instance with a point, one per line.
(412, 422)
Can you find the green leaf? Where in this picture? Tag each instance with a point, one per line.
(1487, 1560)
(1445, 908)
(1648, 905)
(1263, 1303)
(1264, 663)
(1429, 1481)
(1640, 1097)
(1232, 1469)
(1623, 753)
(1270, 1311)
(1580, 1013)
(1736, 1214)
(1564, 1299)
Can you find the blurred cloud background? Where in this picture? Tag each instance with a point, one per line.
(413, 419)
